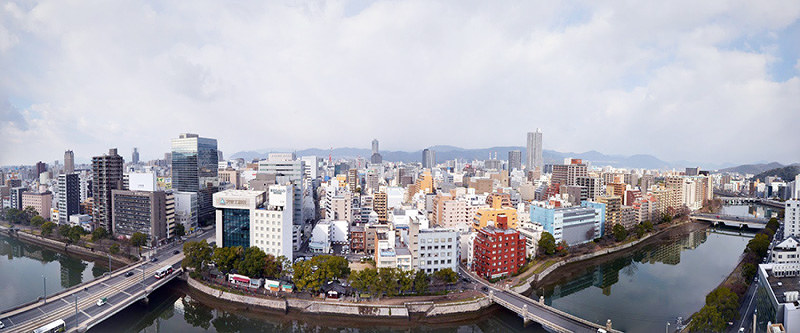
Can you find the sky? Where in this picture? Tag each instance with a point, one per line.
(709, 81)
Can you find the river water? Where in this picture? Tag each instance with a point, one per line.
(639, 291)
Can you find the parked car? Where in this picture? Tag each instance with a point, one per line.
(154, 259)
(128, 273)
(176, 252)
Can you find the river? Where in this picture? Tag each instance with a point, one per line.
(639, 291)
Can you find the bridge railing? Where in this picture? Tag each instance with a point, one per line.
(559, 312)
(528, 315)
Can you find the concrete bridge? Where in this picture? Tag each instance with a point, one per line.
(552, 319)
(731, 220)
(747, 200)
(77, 306)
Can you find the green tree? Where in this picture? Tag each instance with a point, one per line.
(47, 228)
(773, 224)
(547, 244)
(331, 267)
(138, 239)
(75, 233)
(225, 258)
(27, 214)
(272, 266)
(405, 281)
(648, 226)
(708, 319)
(365, 280)
(252, 262)
(63, 230)
(99, 233)
(197, 255)
(725, 301)
(666, 218)
(11, 215)
(619, 232)
(749, 271)
(114, 249)
(180, 230)
(446, 275)
(388, 282)
(639, 230)
(37, 221)
(759, 245)
(304, 276)
(562, 248)
(421, 282)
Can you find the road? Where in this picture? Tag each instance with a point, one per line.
(116, 288)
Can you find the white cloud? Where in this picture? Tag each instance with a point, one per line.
(621, 78)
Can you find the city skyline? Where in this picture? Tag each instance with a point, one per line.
(718, 84)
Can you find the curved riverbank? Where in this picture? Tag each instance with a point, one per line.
(78, 251)
(570, 267)
(407, 314)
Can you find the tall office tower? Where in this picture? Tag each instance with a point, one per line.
(376, 156)
(428, 158)
(69, 196)
(69, 162)
(514, 160)
(194, 169)
(107, 173)
(135, 156)
(534, 151)
(40, 167)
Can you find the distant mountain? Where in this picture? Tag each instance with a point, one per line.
(752, 168)
(444, 153)
(786, 173)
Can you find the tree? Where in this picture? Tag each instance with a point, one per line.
(27, 214)
(547, 244)
(75, 233)
(648, 226)
(421, 282)
(562, 248)
(619, 232)
(47, 228)
(197, 255)
(252, 262)
(725, 301)
(304, 278)
(365, 280)
(446, 275)
(180, 230)
(708, 319)
(13, 215)
(272, 266)
(639, 230)
(759, 245)
(225, 258)
(138, 239)
(748, 271)
(666, 218)
(99, 233)
(63, 230)
(387, 282)
(405, 281)
(331, 267)
(37, 221)
(114, 249)
(773, 224)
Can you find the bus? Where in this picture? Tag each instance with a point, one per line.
(56, 326)
(163, 271)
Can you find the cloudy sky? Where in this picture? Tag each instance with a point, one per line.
(713, 81)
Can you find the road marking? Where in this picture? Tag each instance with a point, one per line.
(747, 311)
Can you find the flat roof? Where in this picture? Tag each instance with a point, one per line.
(780, 285)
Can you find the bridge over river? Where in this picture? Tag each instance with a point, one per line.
(731, 220)
(77, 306)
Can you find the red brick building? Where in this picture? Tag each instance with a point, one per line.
(498, 252)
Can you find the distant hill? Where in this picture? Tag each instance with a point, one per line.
(752, 168)
(444, 153)
(786, 173)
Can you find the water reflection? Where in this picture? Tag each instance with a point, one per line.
(605, 275)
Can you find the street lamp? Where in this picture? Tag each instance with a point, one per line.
(44, 285)
(667, 330)
(76, 312)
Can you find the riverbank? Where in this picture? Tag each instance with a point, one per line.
(78, 251)
(410, 313)
(566, 267)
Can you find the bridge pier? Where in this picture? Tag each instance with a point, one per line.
(525, 320)
(541, 300)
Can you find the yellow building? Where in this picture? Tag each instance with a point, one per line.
(483, 216)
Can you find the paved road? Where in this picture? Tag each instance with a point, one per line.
(116, 288)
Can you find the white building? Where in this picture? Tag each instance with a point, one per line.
(321, 238)
(186, 210)
(786, 252)
(250, 218)
(140, 181)
(340, 232)
(791, 226)
(438, 249)
(83, 220)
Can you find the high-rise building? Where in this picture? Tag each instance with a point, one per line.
(135, 156)
(376, 157)
(498, 252)
(534, 151)
(194, 169)
(40, 168)
(69, 196)
(428, 158)
(69, 162)
(107, 173)
(792, 218)
(42, 202)
(514, 160)
(575, 225)
(140, 211)
(16, 197)
(692, 171)
(379, 205)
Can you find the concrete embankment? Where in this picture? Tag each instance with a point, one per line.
(419, 311)
(79, 251)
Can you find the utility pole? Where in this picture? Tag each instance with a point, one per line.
(109, 263)
(76, 312)
(44, 286)
(754, 319)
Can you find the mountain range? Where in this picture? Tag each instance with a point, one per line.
(444, 153)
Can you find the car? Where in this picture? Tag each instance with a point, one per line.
(741, 329)
(128, 273)
(154, 259)
(102, 301)
(176, 252)
(2, 325)
(485, 289)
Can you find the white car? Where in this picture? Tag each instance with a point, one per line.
(102, 301)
